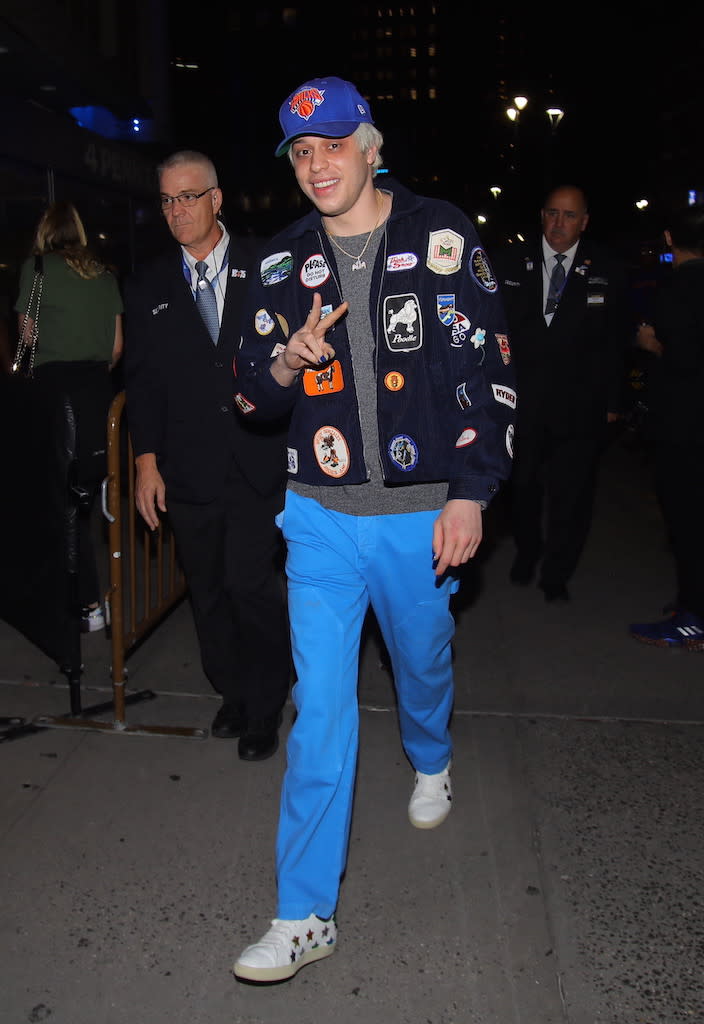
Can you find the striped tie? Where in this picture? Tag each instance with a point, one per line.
(557, 281)
(206, 302)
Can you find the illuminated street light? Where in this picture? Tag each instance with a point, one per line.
(511, 113)
(481, 219)
(641, 204)
(520, 102)
(555, 115)
(495, 191)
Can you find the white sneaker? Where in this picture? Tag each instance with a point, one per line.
(431, 800)
(286, 947)
(92, 619)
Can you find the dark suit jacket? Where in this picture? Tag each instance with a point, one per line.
(570, 374)
(179, 386)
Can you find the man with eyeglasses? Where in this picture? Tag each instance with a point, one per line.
(221, 480)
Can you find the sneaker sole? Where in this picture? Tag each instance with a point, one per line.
(286, 970)
(418, 823)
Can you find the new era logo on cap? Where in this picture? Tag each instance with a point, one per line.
(324, 106)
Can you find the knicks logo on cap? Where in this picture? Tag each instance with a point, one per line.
(304, 102)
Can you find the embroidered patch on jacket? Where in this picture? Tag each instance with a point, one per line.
(324, 382)
(235, 272)
(467, 437)
(394, 380)
(401, 261)
(314, 271)
(445, 248)
(595, 299)
(283, 323)
(160, 308)
(504, 349)
(446, 308)
(481, 271)
(403, 325)
(277, 350)
(462, 396)
(292, 460)
(509, 439)
(403, 451)
(331, 451)
(243, 404)
(263, 323)
(461, 326)
(276, 268)
(504, 395)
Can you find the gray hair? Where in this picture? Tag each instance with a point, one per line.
(190, 156)
(367, 136)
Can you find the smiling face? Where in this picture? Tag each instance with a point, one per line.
(195, 227)
(337, 177)
(564, 217)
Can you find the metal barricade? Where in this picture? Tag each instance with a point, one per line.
(146, 583)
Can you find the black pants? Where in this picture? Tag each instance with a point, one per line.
(552, 497)
(89, 388)
(232, 555)
(679, 483)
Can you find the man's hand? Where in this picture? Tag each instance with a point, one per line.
(307, 347)
(457, 534)
(149, 490)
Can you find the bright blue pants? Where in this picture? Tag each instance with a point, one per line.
(336, 566)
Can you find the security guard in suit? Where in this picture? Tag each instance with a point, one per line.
(220, 480)
(567, 307)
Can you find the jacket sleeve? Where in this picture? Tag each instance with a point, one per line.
(484, 402)
(145, 400)
(265, 332)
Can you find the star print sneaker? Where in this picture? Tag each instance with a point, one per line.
(431, 800)
(286, 947)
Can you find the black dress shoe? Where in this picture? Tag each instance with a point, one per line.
(555, 591)
(229, 723)
(522, 571)
(257, 746)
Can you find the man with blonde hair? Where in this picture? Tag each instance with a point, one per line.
(375, 322)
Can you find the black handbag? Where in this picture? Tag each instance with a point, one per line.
(27, 345)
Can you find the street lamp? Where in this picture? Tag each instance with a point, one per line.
(495, 191)
(520, 102)
(555, 115)
(512, 113)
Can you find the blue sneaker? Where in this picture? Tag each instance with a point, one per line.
(683, 629)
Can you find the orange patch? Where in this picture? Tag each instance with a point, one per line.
(325, 381)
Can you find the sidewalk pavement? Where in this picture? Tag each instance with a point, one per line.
(564, 888)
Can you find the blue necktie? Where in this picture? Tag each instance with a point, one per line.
(557, 281)
(206, 302)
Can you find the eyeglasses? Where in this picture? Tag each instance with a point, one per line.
(185, 198)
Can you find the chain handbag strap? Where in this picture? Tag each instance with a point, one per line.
(25, 344)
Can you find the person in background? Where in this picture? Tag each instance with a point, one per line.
(221, 480)
(80, 341)
(375, 322)
(675, 427)
(566, 300)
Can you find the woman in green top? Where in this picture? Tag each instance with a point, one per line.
(79, 343)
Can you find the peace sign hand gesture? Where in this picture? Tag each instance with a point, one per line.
(307, 347)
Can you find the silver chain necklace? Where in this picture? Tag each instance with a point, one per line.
(358, 263)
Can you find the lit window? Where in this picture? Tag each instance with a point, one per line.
(413, 53)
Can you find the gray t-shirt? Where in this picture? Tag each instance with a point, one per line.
(374, 497)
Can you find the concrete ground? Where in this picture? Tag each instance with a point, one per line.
(564, 888)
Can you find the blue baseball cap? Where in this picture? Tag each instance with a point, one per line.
(330, 107)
